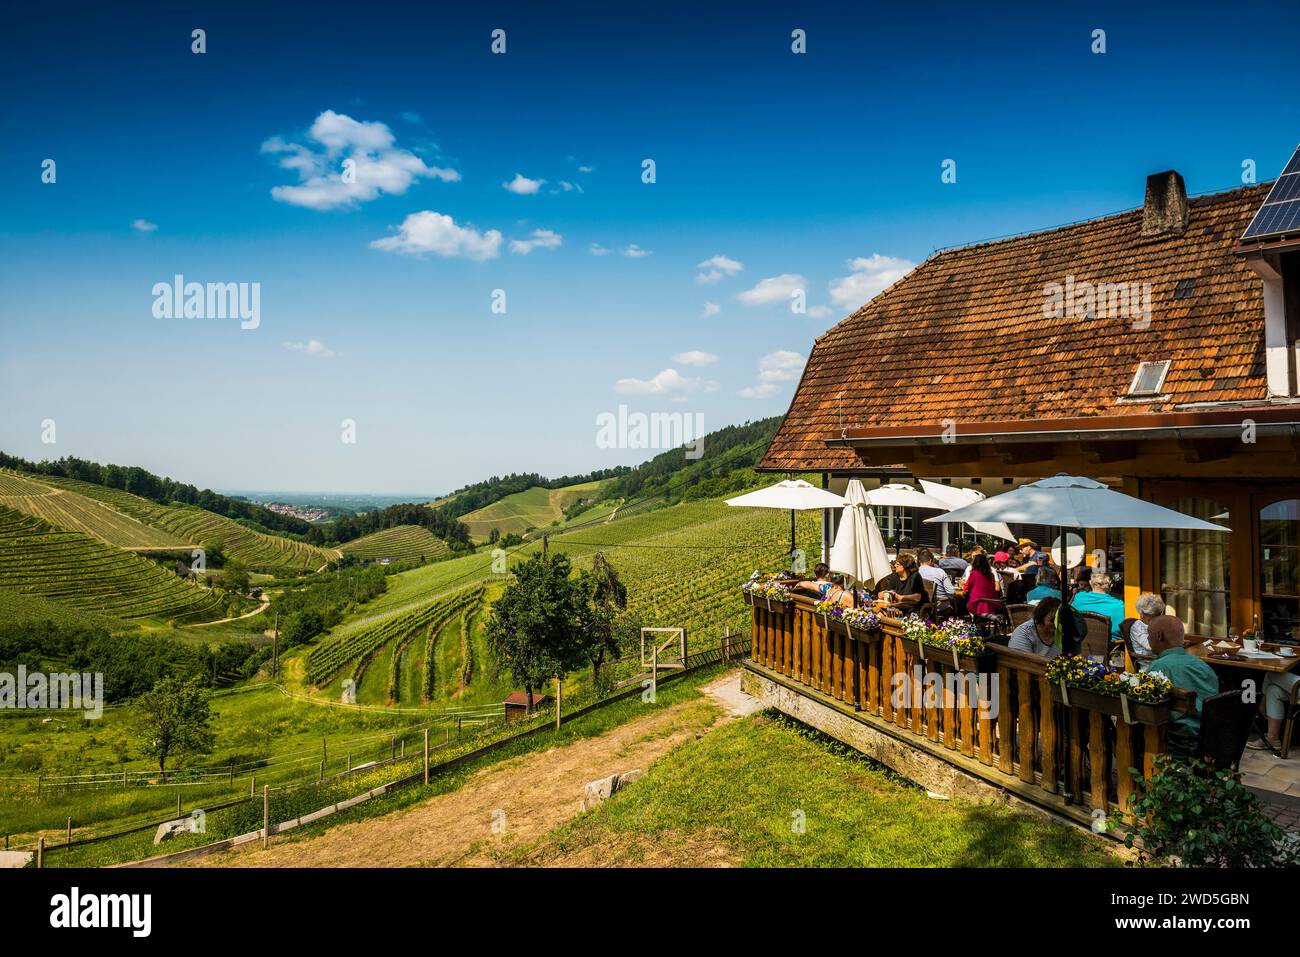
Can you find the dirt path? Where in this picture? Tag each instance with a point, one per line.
(256, 611)
(526, 798)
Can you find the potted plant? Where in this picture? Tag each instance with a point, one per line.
(954, 642)
(1138, 697)
(767, 591)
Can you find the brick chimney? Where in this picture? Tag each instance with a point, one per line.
(1165, 210)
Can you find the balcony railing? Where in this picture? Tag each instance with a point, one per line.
(1005, 728)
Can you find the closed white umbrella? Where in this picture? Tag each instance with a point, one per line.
(859, 550)
(794, 494)
(959, 497)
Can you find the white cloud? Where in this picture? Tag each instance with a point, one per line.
(598, 250)
(521, 185)
(695, 358)
(542, 239)
(710, 309)
(143, 226)
(774, 369)
(669, 382)
(635, 252)
(567, 187)
(430, 232)
(314, 348)
(366, 154)
(773, 289)
(871, 275)
(586, 169)
(819, 312)
(717, 267)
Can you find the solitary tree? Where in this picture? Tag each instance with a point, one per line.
(604, 600)
(534, 630)
(177, 720)
(235, 576)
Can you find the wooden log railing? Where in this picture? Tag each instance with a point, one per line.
(1006, 727)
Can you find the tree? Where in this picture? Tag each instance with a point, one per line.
(534, 630)
(214, 553)
(604, 599)
(235, 576)
(177, 720)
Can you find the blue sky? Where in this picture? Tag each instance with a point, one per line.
(822, 168)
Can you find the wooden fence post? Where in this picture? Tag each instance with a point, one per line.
(69, 830)
(559, 690)
(178, 803)
(40, 853)
(320, 775)
(252, 786)
(266, 816)
(349, 761)
(426, 756)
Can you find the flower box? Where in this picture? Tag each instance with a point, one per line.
(856, 624)
(1121, 706)
(985, 661)
(775, 605)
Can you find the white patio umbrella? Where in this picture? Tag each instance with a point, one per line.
(896, 493)
(1072, 502)
(959, 497)
(794, 494)
(859, 550)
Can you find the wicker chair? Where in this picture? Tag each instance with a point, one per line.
(1097, 639)
(1225, 725)
(1019, 614)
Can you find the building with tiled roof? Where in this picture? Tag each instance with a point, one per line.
(1154, 350)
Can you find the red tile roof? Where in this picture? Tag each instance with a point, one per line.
(963, 336)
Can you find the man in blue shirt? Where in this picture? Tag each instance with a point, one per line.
(1048, 586)
(1101, 601)
(1185, 670)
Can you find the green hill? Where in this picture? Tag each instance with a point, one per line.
(533, 508)
(75, 569)
(70, 510)
(401, 543)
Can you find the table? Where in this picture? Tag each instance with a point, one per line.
(1274, 665)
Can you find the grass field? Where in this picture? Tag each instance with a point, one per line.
(532, 508)
(77, 570)
(400, 543)
(768, 792)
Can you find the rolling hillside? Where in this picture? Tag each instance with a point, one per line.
(534, 508)
(401, 543)
(255, 549)
(78, 570)
(70, 510)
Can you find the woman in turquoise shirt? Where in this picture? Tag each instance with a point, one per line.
(1100, 600)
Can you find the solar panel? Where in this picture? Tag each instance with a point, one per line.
(1281, 210)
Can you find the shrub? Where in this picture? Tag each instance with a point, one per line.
(1189, 816)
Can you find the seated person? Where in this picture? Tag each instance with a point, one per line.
(904, 588)
(981, 588)
(1038, 634)
(944, 591)
(1099, 599)
(828, 587)
(953, 563)
(1148, 606)
(1048, 585)
(1185, 670)
(1028, 557)
(1277, 698)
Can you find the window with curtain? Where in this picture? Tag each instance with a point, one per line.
(1194, 570)
(1279, 569)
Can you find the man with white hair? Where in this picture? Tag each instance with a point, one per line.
(1149, 605)
(1101, 601)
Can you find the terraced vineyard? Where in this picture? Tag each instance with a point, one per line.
(357, 645)
(81, 571)
(400, 543)
(17, 607)
(74, 512)
(256, 550)
(532, 508)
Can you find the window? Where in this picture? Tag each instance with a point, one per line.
(1194, 571)
(1279, 569)
(1148, 379)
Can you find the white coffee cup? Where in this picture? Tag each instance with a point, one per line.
(1249, 644)
(1286, 651)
